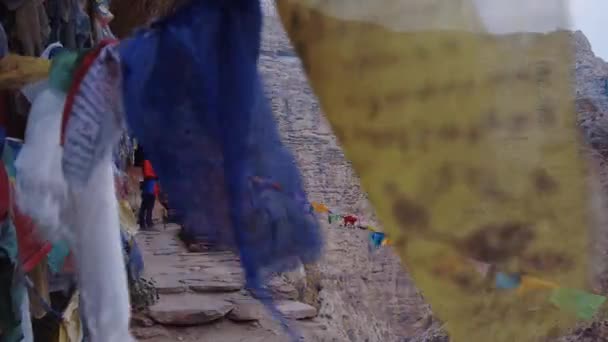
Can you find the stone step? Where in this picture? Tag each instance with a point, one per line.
(203, 285)
(170, 283)
(189, 309)
(179, 283)
(249, 309)
(296, 310)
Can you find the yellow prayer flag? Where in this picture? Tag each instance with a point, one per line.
(17, 71)
(462, 131)
(70, 330)
(529, 284)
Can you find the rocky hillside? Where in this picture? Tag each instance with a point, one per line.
(592, 116)
(591, 93)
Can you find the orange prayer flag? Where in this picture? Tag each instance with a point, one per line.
(320, 207)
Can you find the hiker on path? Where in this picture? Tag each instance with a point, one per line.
(149, 192)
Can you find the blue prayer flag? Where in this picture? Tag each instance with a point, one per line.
(194, 100)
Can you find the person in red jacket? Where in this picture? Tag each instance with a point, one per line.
(149, 192)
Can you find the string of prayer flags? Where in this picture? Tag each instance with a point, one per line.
(332, 217)
(585, 305)
(377, 239)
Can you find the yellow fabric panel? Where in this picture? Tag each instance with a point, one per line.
(529, 284)
(70, 330)
(17, 71)
(466, 144)
(127, 217)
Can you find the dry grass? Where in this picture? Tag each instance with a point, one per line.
(313, 287)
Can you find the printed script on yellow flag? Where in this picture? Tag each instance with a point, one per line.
(465, 141)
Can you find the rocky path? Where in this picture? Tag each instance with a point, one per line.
(202, 297)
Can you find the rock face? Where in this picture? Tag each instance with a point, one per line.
(591, 94)
(592, 117)
(189, 309)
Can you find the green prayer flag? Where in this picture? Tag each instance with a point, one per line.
(12, 291)
(63, 67)
(583, 304)
(57, 256)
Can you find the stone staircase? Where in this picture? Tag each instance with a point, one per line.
(202, 297)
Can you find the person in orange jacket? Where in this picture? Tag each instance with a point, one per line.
(149, 192)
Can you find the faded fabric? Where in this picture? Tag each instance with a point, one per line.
(32, 247)
(12, 291)
(91, 125)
